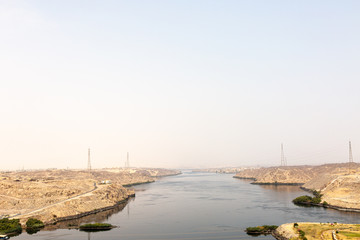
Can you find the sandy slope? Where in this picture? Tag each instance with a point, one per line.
(338, 190)
(51, 194)
(294, 174)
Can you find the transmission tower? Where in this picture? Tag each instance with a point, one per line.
(351, 160)
(89, 163)
(127, 163)
(283, 159)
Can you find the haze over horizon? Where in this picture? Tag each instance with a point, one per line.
(178, 84)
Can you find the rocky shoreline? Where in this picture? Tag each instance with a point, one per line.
(278, 236)
(338, 183)
(84, 214)
(332, 207)
(245, 178)
(95, 211)
(277, 183)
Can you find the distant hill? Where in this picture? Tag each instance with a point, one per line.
(339, 183)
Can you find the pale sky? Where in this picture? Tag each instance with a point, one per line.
(178, 83)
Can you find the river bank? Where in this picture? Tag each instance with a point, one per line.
(297, 174)
(57, 195)
(338, 183)
(196, 206)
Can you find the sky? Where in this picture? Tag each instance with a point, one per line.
(178, 84)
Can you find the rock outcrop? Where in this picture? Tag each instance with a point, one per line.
(285, 232)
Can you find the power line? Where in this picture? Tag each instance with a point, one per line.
(351, 160)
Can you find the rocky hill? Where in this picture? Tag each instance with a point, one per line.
(339, 183)
(294, 174)
(338, 190)
(53, 194)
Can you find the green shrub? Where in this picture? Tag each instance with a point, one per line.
(95, 226)
(261, 229)
(302, 199)
(317, 194)
(34, 223)
(269, 227)
(307, 199)
(10, 226)
(316, 200)
(296, 225)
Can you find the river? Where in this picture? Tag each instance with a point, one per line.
(197, 206)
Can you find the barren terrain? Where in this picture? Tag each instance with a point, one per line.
(338, 190)
(295, 174)
(53, 194)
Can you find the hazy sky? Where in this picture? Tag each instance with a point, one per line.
(178, 83)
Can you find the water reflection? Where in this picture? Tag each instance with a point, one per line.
(98, 217)
(282, 188)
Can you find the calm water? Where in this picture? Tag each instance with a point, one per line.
(196, 206)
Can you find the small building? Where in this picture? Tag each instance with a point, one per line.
(105, 182)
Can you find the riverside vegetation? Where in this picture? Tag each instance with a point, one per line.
(10, 226)
(33, 225)
(265, 229)
(308, 200)
(13, 226)
(96, 227)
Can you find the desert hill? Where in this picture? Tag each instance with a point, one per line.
(294, 174)
(341, 190)
(53, 194)
(339, 183)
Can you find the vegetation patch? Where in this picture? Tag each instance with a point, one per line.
(33, 225)
(10, 226)
(96, 227)
(265, 229)
(308, 200)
